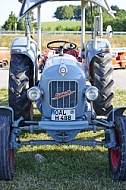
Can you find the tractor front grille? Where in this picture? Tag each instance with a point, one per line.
(63, 94)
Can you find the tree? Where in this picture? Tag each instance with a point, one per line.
(10, 24)
(77, 12)
(21, 25)
(115, 8)
(74, 12)
(64, 13)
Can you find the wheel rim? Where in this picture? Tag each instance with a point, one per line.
(4, 63)
(115, 153)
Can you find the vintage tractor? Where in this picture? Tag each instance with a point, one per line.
(73, 92)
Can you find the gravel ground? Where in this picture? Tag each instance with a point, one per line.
(4, 74)
(120, 79)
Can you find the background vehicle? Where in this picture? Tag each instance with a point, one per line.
(119, 58)
(73, 94)
(4, 56)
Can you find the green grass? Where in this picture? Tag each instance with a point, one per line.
(63, 24)
(65, 167)
(3, 97)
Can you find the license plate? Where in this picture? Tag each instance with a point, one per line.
(63, 115)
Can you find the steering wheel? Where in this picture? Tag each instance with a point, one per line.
(61, 44)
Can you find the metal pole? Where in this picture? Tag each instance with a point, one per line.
(39, 29)
(101, 22)
(27, 31)
(83, 5)
(82, 24)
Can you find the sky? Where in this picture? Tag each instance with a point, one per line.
(48, 9)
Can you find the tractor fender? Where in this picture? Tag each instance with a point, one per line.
(8, 111)
(19, 46)
(116, 112)
(20, 51)
(90, 51)
(90, 55)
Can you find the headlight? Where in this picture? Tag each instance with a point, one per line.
(91, 93)
(34, 94)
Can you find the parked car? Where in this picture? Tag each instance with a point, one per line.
(4, 56)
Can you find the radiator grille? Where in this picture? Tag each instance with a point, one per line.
(63, 94)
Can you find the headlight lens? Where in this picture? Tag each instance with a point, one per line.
(91, 93)
(34, 94)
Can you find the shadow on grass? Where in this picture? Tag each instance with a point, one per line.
(65, 168)
(64, 162)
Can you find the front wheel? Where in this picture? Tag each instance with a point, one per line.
(6, 153)
(117, 155)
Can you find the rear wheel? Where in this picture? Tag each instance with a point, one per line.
(101, 72)
(20, 79)
(5, 63)
(117, 155)
(6, 153)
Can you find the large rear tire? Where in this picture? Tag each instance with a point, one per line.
(6, 153)
(117, 155)
(101, 73)
(20, 79)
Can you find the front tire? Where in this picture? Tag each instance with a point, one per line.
(6, 153)
(117, 155)
(101, 72)
(20, 79)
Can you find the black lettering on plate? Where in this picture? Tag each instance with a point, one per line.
(57, 118)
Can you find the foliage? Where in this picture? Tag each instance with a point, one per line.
(12, 24)
(21, 25)
(64, 12)
(77, 12)
(118, 24)
(68, 12)
(73, 12)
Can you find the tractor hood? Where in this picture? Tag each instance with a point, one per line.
(58, 61)
(29, 5)
(64, 67)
